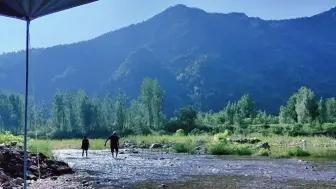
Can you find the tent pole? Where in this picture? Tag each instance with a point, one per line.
(26, 108)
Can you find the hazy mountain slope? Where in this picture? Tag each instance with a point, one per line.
(201, 58)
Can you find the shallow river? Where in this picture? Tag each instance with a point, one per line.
(147, 167)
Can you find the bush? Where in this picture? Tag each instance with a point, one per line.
(8, 137)
(188, 147)
(224, 148)
(195, 132)
(162, 132)
(298, 152)
(295, 130)
(329, 128)
(221, 136)
(263, 152)
(179, 132)
(277, 129)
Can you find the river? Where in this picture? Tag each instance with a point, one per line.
(145, 168)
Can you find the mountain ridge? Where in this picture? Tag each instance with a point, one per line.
(200, 58)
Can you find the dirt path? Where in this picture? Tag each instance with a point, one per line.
(148, 170)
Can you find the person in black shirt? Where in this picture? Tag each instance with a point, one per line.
(85, 146)
(114, 143)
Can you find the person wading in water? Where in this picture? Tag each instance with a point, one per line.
(114, 143)
(85, 146)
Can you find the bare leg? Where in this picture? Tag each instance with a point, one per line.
(86, 152)
(112, 151)
(83, 153)
(117, 152)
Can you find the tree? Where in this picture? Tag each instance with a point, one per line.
(306, 106)
(245, 107)
(157, 105)
(322, 111)
(331, 110)
(146, 98)
(120, 111)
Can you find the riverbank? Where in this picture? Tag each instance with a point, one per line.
(252, 145)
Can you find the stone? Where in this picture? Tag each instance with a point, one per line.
(265, 146)
(155, 146)
(33, 168)
(164, 186)
(4, 177)
(18, 181)
(53, 178)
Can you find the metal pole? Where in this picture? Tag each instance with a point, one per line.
(26, 108)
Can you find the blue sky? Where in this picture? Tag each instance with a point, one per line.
(94, 19)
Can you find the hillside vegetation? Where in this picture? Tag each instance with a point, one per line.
(199, 58)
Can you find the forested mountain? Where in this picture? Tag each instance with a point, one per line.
(199, 58)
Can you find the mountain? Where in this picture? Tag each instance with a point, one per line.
(200, 58)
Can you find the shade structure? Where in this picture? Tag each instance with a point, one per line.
(32, 9)
(29, 10)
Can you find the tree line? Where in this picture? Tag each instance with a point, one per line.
(74, 114)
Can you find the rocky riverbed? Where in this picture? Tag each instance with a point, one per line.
(152, 170)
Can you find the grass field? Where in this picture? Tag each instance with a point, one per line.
(281, 146)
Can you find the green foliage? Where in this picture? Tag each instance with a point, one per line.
(263, 152)
(8, 137)
(195, 132)
(298, 152)
(179, 132)
(225, 148)
(221, 136)
(187, 147)
(278, 130)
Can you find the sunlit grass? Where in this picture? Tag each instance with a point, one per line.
(281, 146)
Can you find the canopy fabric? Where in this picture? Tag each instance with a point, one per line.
(32, 9)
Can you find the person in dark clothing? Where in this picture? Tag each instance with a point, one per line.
(114, 143)
(85, 145)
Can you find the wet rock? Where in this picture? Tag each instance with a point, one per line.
(155, 146)
(135, 152)
(121, 152)
(2, 158)
(18, 181)
(33, 168)
(164, 186)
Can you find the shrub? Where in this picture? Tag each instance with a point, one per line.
(224, 148)
(218, 149)
(179, 132)
(298, 152)
(162, 132)
(329, 128)
(195, 132)
(188, 147)
(277, 129)
(8, 137)
(263, 152)
(295, 130)
(221, 136)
